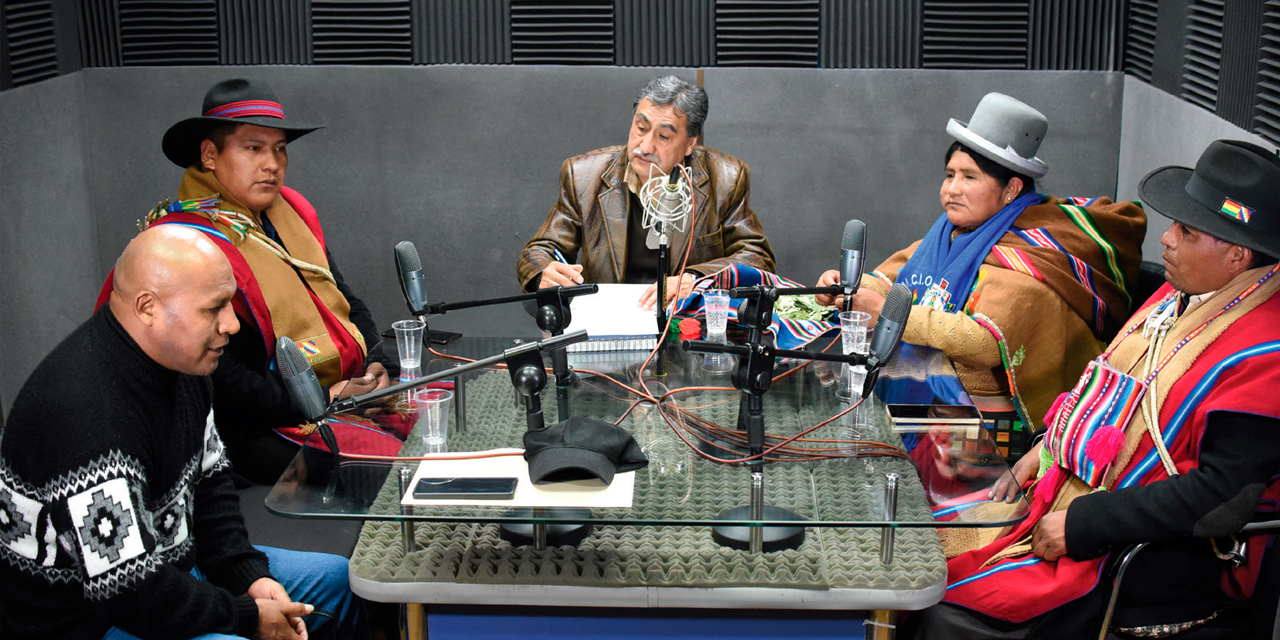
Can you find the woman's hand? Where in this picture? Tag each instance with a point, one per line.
(864, 300)
(1007, 488)
(828, 279)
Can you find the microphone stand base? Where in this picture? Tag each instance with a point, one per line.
(557, 534)
(776, 538)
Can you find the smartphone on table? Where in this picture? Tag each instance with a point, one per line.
(465, 488)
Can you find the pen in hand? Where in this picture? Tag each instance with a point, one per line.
(570, 272)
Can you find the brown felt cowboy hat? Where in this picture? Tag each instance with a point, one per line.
(1233, 194)
(235, 101)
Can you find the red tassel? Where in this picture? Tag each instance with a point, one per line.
(1053, 410)
(1045, 487)
(1104, 445)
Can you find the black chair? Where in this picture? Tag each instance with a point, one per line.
(1255, 618)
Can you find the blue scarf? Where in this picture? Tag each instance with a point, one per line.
(941, 272)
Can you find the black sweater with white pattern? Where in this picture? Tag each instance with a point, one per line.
(113, 484)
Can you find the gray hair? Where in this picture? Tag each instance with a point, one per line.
(688, 99)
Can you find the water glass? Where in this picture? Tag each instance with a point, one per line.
(670, 467)
(852, 379)
(409, 342)
(853, 331)
(853, 339)
(716, 305)
(433, 417)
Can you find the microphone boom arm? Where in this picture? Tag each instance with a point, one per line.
(555, 342)
(568, 292)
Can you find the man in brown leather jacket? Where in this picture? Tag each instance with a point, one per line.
(600, 214)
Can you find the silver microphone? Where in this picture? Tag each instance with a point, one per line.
(667, 203)
(887, 335)
(300, 379)
(853, 251)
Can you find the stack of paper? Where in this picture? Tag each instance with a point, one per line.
(614, 320)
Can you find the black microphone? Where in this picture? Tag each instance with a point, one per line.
(304, 387)
(853, 251)
(887, 335)
(412, 283)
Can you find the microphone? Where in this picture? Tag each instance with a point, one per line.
(887, 334)
(304, 387)
(666, 200)
(853, 251)
(412, 283)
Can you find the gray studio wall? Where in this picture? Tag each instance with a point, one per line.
(1159, 129)
(825, 146)
(48, 224)
(464, 161)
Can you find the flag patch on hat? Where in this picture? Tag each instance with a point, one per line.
(1236, 210)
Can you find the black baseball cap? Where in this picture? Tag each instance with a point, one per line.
(581, 448)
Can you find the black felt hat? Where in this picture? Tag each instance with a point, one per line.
(235, 101)
(1233, 194)
(581, 448)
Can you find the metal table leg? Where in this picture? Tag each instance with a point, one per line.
(890, 514)
(412, 619)
(882, 625)
(406, 525)
(460, 402)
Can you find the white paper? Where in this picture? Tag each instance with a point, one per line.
(613, 312)
(582, 493)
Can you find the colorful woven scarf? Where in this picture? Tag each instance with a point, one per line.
(941, 272)
(788, 334)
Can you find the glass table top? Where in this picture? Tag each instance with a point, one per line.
(828, 461)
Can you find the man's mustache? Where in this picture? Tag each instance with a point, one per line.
(650, 158)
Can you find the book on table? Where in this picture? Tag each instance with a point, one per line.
(614, 320)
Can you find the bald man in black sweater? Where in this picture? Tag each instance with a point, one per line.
(114, 483)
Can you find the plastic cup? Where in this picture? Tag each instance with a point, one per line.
(409, 341)
(852, 379)
(670, 464)
(853, 331)
(433, 417)
(716, 306)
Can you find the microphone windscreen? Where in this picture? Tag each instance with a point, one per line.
(289, 358)
(300, 379)
(407, 257)
(855, 236)
(893, 321)
(897, 304)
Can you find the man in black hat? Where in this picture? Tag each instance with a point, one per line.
(1185, 469)
(235, 157)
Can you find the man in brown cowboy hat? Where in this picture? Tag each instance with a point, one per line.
(235, 157)
(1172, 436)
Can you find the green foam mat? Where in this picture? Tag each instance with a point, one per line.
(667, 556)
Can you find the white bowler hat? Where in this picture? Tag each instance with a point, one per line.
(1005, 130)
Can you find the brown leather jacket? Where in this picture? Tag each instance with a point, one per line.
(592, 215)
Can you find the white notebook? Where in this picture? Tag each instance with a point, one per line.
(613, 319)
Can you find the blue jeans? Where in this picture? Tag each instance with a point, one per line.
(318, 579)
